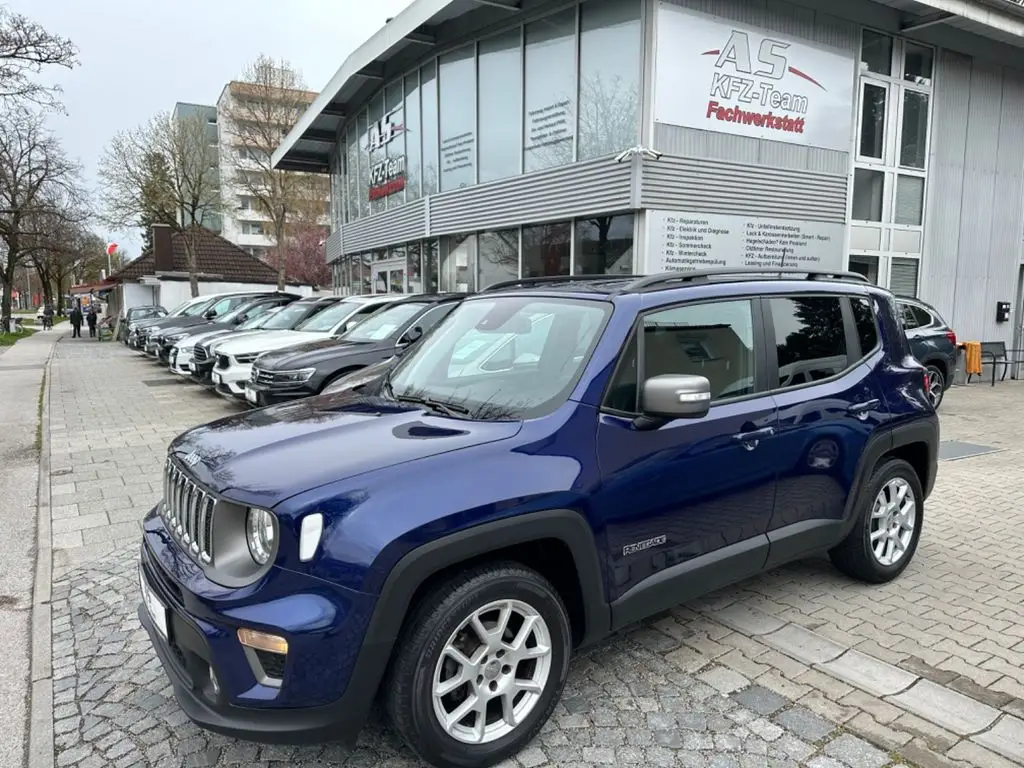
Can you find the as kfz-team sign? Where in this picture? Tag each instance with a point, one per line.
(719, 76)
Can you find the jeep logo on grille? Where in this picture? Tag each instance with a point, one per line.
(192, 459)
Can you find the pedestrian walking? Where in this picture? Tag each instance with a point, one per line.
(48, 316)
(76, 323)
(90, 318)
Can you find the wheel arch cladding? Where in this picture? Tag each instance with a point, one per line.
(421, 568)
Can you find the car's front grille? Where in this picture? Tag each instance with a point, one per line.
(259, 376)
(188, 512)
(200, 354)
(223, 361)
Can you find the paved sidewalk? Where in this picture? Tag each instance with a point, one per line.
(799, 667)
(21, 373)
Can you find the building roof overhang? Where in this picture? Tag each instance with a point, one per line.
(309, 145)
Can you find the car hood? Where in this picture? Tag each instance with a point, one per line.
(266, 341)
(311, 354)
(201, 335)
(268, 455)
(175, 322)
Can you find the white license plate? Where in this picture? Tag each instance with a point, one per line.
(250, 395)
(216, 377)
(157, 610)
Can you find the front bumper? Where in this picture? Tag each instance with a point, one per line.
(320, 697)
(260, 395)
(179, 361)
(231, 381)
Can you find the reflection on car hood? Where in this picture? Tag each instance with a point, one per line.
(266, 341)
(274, 453)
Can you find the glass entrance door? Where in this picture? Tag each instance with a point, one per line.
(389, 276)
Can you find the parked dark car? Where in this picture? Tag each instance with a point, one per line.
(287, 319)
(554, 462)
(305, 370)
(217, 306)
(933, 343)
(171, 337)
(135, 314)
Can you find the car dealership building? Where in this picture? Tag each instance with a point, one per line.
(472, 141)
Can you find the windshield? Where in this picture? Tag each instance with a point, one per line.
(383, 324)
(259, 320)
(198, 308)
(252, 309)
(330, 317)
(287, 318)
(180, 308)
(512, 357)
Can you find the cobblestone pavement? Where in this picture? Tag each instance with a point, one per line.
(797, 667)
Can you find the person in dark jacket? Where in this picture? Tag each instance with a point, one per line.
(76, 322)
(91, 317)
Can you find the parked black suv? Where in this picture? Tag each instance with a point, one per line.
(306, 370)
(933, 343)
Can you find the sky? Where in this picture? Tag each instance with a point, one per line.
(139, 57)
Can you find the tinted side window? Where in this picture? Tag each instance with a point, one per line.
(810, 339)
(714, 340)
(907, 317)
(867, 328)
(921, 315)
(434, 316)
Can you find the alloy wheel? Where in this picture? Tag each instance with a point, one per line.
(893, 519)
(935, 387)
(492, 672)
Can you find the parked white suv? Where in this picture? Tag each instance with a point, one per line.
(236, 356)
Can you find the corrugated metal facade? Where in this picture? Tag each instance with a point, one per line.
(787, 19)
(974, 220)
(397, 225)
(713, 186)
(598, 186)
(332, 246)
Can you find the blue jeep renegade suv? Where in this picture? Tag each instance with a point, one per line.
(554, 461)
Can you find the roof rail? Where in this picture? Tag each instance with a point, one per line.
(667, 279)
(529, 282)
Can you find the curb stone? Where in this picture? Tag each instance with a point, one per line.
(40, 732)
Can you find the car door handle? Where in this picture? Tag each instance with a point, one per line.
(860, 410)
(750, 440)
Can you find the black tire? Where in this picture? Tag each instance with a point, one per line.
(938, 392)
(408, 697)
(854, 556)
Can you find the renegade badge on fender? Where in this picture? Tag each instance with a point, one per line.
(557, 459)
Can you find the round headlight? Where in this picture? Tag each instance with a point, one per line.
(260, 531)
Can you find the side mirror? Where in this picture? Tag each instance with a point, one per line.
(409, 337)
(241, 319)
(675, 397)
(210, 314)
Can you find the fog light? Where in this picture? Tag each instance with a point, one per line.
(262, 641)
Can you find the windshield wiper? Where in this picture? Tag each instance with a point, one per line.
(448, 409)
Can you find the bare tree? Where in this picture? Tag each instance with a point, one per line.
(25, 49)
(165, 171)
(261, 111)
(39, 187)
(71, 254)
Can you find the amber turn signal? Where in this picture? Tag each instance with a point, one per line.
(262, 641)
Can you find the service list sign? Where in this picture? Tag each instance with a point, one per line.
(716, 75)
(684, 242)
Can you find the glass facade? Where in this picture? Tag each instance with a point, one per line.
(472, 261)
(891, 164)
(557, 89)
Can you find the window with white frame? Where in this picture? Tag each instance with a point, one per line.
(891, 162)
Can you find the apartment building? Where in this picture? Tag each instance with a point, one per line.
(242, 166)
(241, 221)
